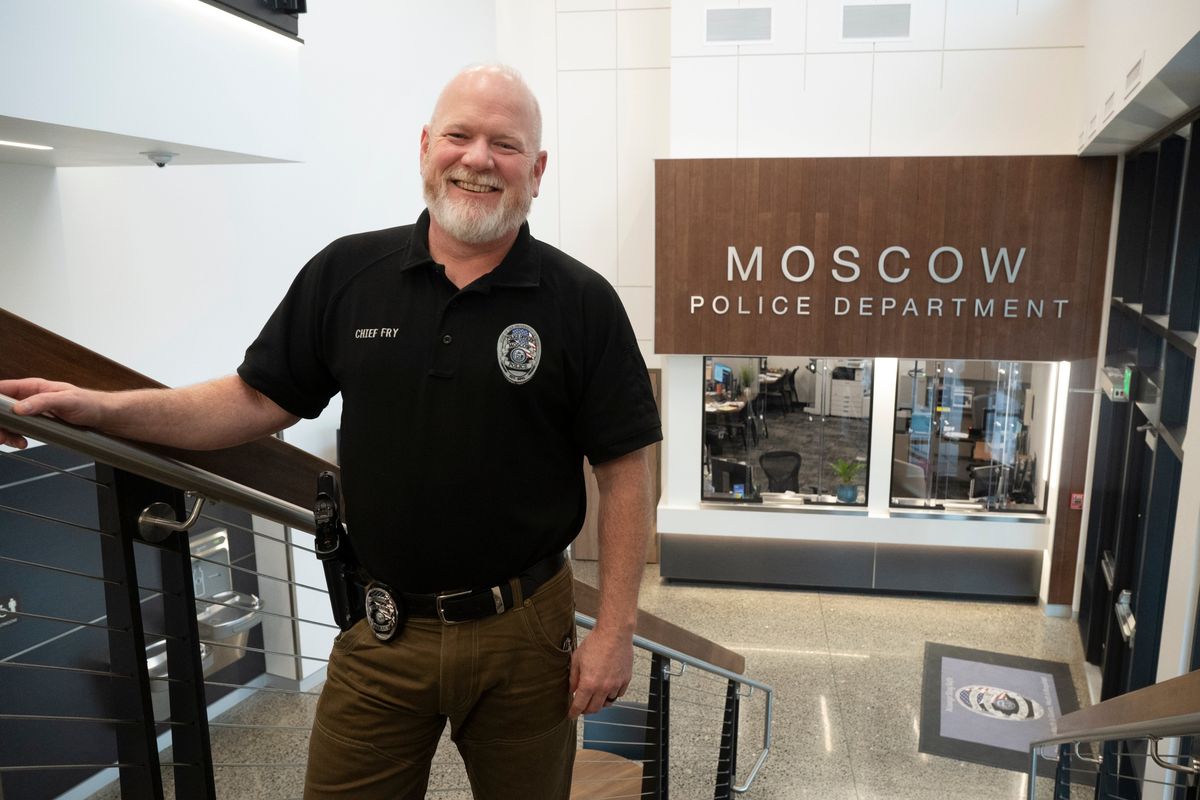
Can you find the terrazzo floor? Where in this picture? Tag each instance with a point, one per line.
(846, 673)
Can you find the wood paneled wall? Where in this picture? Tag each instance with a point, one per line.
(1056, 207)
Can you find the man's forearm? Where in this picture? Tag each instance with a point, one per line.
(625, 522)
(207, 416)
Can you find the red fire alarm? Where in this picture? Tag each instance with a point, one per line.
(1076, 501)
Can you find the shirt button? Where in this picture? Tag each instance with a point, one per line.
(447, 339)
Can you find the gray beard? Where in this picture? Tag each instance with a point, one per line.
(471, 225)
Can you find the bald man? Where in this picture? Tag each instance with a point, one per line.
(477, 367)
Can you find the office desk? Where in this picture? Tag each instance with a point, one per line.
(728, 416)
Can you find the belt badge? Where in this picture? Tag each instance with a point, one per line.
(382, 614)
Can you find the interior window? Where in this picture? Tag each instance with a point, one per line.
(786, 429)
(972, 434)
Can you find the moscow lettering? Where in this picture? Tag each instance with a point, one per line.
(945, 265)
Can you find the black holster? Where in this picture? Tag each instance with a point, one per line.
(337, 555)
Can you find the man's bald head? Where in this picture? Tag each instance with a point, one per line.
(481, 156)
(502, 82)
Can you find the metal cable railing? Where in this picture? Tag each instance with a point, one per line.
(1134, 746)
(185, 666)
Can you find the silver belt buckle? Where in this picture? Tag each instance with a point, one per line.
(382, 613)
(442, 612)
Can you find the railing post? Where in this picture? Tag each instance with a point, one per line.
(190, 748)
(1062, 773)
(727, 755)
(1118, 777)
(137, 744)
(190, 745)
(655, 785)
(1031, 787)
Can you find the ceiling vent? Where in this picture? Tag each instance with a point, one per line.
(738, 25)
(1134, 76)
(876, 21)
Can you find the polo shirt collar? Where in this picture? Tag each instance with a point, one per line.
(521, 266)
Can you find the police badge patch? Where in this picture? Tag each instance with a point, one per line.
(519, 350)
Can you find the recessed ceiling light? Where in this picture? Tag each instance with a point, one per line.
(26, 146)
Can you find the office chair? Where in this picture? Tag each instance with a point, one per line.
(1022, 482)
(782, 468)
(908, 479)
(745, 425)
(790, 398)
(989, 482)
(714, 440)
(777, 390)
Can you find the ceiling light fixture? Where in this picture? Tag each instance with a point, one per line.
(26, 145)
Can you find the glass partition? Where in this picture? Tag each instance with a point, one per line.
(972, 434)
(786, 429)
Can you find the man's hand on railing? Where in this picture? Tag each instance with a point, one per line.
(601, 669)
(65, 401)
(206, 416)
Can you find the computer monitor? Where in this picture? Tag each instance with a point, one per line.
(722, 374)
(728, 475)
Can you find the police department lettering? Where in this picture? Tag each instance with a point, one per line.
(945, 266)
(376, 333)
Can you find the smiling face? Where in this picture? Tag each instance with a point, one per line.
(480, 159)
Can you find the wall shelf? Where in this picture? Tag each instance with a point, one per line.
(1182, 339)
(1153, 326)
(1173, 438)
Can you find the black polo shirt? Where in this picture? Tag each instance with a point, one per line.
(465, 413)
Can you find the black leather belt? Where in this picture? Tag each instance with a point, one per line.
(451, 607)
(386, 608)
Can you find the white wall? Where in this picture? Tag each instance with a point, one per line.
(174, 70)
(173, 271)
(973, 78)
(601, 71)
(1183, 583)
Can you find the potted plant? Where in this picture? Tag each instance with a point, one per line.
(749, 377)
(846, 470)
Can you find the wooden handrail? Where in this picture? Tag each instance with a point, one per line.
(656, 629)
(268, 464)
(1163, 703)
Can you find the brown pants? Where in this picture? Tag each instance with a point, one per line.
(502, 681)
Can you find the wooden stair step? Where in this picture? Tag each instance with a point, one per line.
(599, 774)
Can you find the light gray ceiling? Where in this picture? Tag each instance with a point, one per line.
(1170, 94)
(80, 147)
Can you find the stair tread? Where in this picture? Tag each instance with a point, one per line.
(600, 774)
